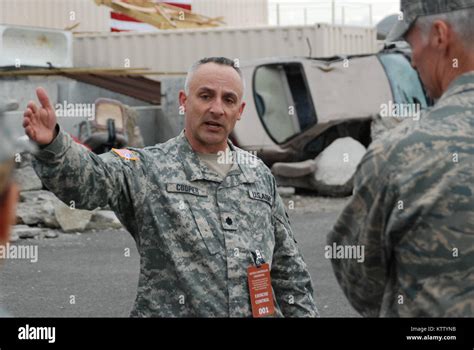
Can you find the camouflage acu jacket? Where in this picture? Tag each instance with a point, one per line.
(195, 232)
(413, 212)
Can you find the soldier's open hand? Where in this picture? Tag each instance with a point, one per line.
(40, 122)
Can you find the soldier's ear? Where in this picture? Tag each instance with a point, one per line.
(182, 98)
(241, 110)
(441, 35)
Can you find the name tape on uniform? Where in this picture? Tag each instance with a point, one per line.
(260, 196)
(185, 188)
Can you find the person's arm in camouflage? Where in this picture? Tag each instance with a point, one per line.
(291, 280)
(72, 172)
(362, 223)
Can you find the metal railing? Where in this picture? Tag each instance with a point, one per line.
(330, 11)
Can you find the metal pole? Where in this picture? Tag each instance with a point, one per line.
(333, 12)
(371, 19)
(278, 14)
(305, 16)
(343, 15)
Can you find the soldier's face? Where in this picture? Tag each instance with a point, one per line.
(429, 57)
(213, 106)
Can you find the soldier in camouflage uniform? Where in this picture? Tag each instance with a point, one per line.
(197, 223)
(413, 203)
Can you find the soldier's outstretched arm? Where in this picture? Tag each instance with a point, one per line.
(291, 280)
(71, 171)
(360, 231)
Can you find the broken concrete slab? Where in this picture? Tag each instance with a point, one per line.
(38, 196)
(336, 166)
(51, 234)
(72, 220)
(29, 232)
(104, 219)
(37, 210)
(26, 232)
(43, 208)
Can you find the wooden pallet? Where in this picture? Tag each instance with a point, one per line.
(161, 15)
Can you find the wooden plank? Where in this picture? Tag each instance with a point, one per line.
(137, 87)
(162, 16)
(161, 12)
(103, 71)
(155, 20)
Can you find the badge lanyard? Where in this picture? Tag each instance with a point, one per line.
(260, 287)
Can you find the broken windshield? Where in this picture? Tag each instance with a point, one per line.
(404, 80)
(283, 100)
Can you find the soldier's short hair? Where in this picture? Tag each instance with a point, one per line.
(224, 61)
(460, 20)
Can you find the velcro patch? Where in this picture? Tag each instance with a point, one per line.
(260, 196)
(185, 188)
(126, 154)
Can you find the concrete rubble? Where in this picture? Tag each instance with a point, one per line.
(40, 214)
(336, 166)
(329, 174)
(102, 220)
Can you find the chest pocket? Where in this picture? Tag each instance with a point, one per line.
(197, 201)
(256, 206)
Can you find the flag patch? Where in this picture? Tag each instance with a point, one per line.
(126, 154)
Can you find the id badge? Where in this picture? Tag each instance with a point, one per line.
(260, 288)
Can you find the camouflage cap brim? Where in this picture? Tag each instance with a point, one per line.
(398, 31)
(413, 9)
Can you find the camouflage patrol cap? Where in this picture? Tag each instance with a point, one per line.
(412, 9)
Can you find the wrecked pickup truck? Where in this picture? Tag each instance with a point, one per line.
(310, 119)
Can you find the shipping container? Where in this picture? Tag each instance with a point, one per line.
(236, 13)
(176, 50)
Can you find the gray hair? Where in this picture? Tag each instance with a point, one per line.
(460, 21)
(224, 61)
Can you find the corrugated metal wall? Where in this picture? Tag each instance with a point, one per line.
(236, 13)
(57, 14)
(175, 51)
